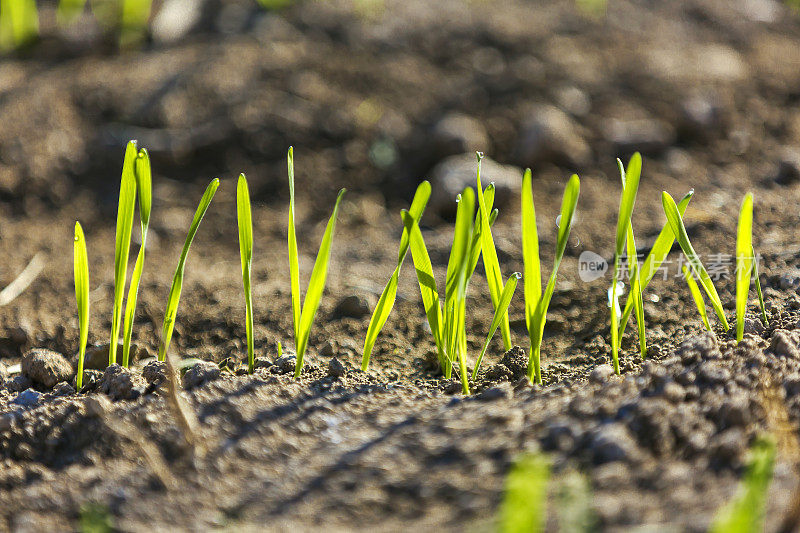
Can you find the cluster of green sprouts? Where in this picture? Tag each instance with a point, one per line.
(675, 230)
(446, 314)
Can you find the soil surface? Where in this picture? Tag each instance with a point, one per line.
(376, 96)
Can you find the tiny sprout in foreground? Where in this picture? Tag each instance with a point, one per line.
(389, 294)
(177, 281)
(303, 320)
(536, 302)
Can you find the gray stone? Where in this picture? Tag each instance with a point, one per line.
(453, 174)
(18, 383)
(336, 369)
(498, 392)
(45, 367)
(550, 135)
(175, 19)
(456, 133)
(28, 398)
(648, 136)
(352, 306)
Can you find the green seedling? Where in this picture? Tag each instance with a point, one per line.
(745, 514)
(19, 23)
(744, 261)
(280, 350)
(447, 322)
(389, 294)
(524, 506)
(144, 188)
(679, 230)
(758, 289)
(536, 302)
(697, 296)
(634, 267)
(245, 220)
(81, 266)
(127, 204)
(626, 203)
(177, 280)
(648, 269)
(316, 283)
(490, 262)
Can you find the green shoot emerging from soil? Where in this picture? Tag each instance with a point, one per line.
(316, 283)
(524, 505)
(650, 267)
(127, 204)
(144, 188)
(633, 266)
(697, 296)
(536, 303)
(245, 220)
(448, 323)
(389, 294)
(490, 262)
(744, 261)
(177, 280)
(745, 514)
(758, 289)
(81, 266)
(627, 200)
(679, 230)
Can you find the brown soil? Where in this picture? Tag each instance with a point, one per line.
(706, 89)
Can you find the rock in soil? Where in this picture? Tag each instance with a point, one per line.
(452, 175)
(336, 369)
(353, 306)
(550, 136)
(200, 374)
(45, 367)
(28, 398)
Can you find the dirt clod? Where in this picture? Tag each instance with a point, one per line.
(28, 398)
(45, 367)
(119, 383)
(352, 306)
(601, 373)
(336, 369)
(200, 374)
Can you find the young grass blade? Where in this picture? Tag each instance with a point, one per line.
(758, 288)
(245, 222)
(294, 263)
(569, 203)
(386, 301)
(133, 20)
(81, 265)
(505, 301)
(127, 204)
(427, 283)
(490, 262)
(532, 282)
(679, 230)
(524, 507)
(697, 296)
(316, 284)
(626, 204)
(745, 514)
(177, 281)
(744, 261)
(636, 285)
(144, 189)
(475, 245)
(658, 253)
(455, 285)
